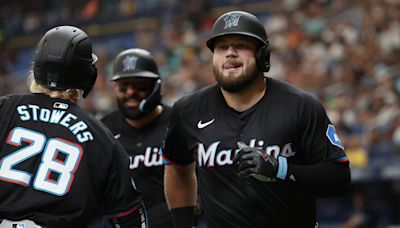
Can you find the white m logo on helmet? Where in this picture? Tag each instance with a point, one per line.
(232, 20)
(129, 63)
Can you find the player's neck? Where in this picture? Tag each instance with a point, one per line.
(245, 99)
(147, 119)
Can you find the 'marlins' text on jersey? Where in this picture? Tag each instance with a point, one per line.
(68, 120)
(151, 157)
(210, 157)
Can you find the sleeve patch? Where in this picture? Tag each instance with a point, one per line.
(333, 137)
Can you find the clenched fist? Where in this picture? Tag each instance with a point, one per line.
(255, 162)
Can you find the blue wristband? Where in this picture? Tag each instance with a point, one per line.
(282, 168)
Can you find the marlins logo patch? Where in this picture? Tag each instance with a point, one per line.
(232, 20)
(129, 63)
(333, 137)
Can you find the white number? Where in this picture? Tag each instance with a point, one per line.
(62, 168)
(16, 136)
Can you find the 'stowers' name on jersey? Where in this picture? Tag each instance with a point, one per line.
(211, 156)
(151, 157)
(68, 120)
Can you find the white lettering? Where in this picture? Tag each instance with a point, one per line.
(77, 127)
(85, 136)
(23, 113)
(287, 150)
(136, 161)
(56, 116)
(34, 111)
(224, 157)
(207, 157)
(151, 157)
(44, 115)
(273, 150)
(214, 157)
(65, 121)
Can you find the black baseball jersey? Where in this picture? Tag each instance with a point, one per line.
(285, 122)
(59, 163)
(143, 146)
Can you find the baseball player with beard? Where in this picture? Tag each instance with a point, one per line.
(263, 150)
(139, 124)
(59, 166)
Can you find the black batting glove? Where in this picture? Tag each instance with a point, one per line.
(255, 162)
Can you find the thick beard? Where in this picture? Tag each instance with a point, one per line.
(130, 113)
(241, 83)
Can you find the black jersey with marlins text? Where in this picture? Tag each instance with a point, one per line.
(143, 146)
(59, 163)
(285, 122)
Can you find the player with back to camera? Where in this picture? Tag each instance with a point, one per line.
(60, 167)
(264, 150)
(140, 124)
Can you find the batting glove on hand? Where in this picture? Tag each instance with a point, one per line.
(255, 162)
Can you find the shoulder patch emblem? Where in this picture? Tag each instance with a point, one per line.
(333, 137)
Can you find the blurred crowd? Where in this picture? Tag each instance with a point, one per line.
(345, 52)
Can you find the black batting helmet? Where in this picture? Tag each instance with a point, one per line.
(64, 60)
(137, 62)
(243, 23)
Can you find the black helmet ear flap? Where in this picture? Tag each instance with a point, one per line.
(263, 57)
(92, 81)
(148, 104)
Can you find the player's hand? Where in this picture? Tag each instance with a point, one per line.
(255, 162)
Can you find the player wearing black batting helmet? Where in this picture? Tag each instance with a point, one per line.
(60, 167)
(64, 60)
(249, 26)
(258, 150)
(139, 63)
(139, 124)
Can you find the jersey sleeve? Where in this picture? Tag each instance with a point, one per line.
(121, 196)
(175, 150)
(2, 101)
(318, 137)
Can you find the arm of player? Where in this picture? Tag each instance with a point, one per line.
(123, 205)
(180, 185)
(330, 178)
(325, 179)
